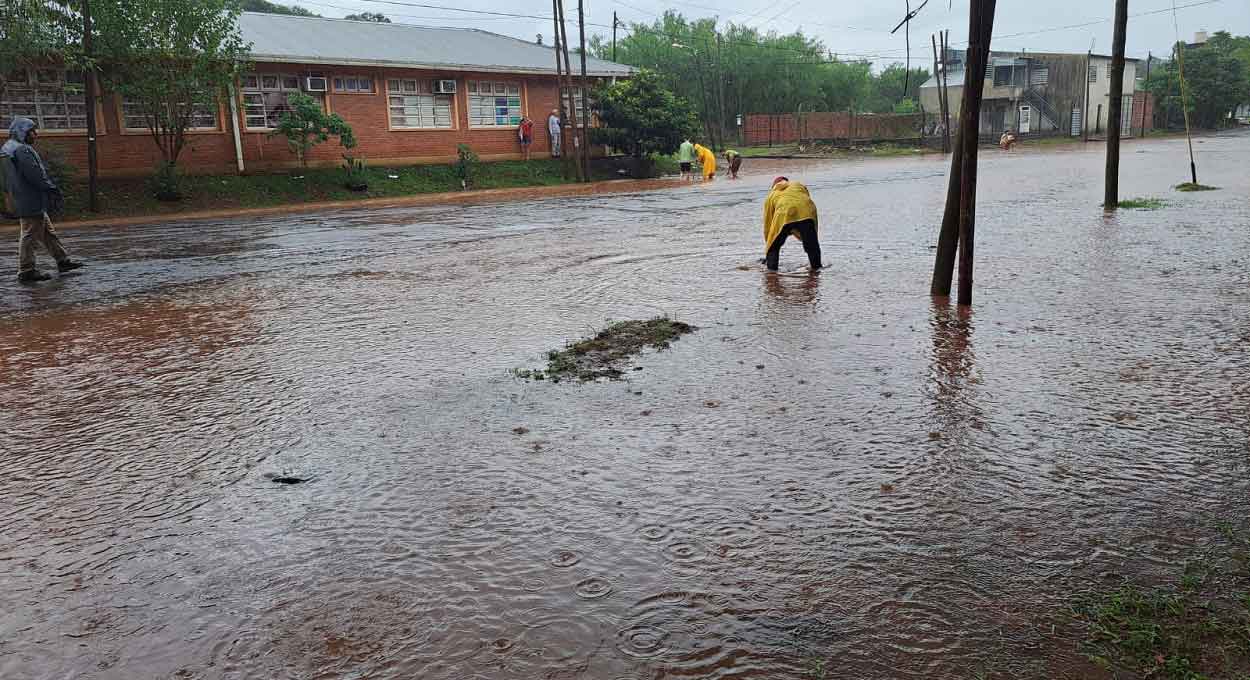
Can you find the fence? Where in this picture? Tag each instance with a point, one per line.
(766, 129)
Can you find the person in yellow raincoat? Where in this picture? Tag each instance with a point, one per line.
(707, 159)
(789, 210)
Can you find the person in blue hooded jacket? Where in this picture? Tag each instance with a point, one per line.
(32, 196)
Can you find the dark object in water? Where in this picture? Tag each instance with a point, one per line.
(288, 480)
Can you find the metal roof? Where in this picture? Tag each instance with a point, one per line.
(314, 40)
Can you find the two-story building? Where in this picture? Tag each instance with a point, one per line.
(1039, 93)
(410, 93)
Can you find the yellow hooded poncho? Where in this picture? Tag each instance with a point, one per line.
(707, 159)
(787, 203)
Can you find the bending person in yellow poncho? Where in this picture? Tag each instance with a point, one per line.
(707, 159)
(789, 210)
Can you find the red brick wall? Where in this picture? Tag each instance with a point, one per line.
(133, 154)
(760, 129)
(1143, 111)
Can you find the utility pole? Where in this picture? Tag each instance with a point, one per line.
(1089, 56)
(615, 23)
(1115, 107)
(958, 221)
(946, 91)
(1149, 57)
(585, 112)
(937, 76)
(561, 67)
(567, 85)
(93, 164)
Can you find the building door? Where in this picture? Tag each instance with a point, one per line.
(1076, 122)
(1026, 119)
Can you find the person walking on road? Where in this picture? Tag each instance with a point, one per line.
(556, 131)
(33, 195)
(789, 210)
(708, 160)
(734, 160)
(525, 133)
(685, 158)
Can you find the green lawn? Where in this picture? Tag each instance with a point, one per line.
(132, 197)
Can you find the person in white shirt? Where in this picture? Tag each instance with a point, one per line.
(554, 129)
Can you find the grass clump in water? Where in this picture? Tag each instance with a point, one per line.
(1143, 203)
(1190, 186)
(1195, 628)
(603, 355)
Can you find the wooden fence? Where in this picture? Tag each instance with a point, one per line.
(765, 129)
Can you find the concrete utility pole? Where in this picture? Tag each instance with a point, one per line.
(93, 163)
(1115, 107)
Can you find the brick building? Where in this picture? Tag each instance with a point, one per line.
(410, 93)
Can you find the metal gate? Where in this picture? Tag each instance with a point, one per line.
(1076, 122)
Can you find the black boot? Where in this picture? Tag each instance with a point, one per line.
(67, 266)
(33, 276)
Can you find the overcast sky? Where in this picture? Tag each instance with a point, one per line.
(851, 29)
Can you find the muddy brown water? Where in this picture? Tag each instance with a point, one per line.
(901, 491)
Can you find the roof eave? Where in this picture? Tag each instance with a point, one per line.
(466, 68)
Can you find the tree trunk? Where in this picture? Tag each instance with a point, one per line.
(1111, 195)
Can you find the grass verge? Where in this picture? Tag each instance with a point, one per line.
(1190, 186)
(1142, 204)
(603, 355)
(1196, 627)
(123, 197)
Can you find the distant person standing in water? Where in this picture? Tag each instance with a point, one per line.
(734, 160)
(556, 130)
(525, 133)
(33, 196)
(685, 159)
(789, 210)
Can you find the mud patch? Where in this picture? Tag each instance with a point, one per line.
(603, 355)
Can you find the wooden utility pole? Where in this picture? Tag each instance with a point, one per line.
(959, 219)
(937, 77)
(982, 20)
(1149, 58)
(1089, 57)
(584, 114)
(1115, 108)
(946, 92)
(566, 86)
(615, 22)
(89, 92)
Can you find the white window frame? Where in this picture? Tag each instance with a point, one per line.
(1093, 73)
(41, 99)
(212, 108)
(478, 105)
(255, 91)
(418, 94)
(350, 84)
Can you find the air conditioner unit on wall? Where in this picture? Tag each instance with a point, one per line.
(444, 87)
(315, 84)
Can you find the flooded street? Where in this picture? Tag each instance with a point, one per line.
(833, 475)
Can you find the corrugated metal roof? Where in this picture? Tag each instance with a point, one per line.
(314, 40)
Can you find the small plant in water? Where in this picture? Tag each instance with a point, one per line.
(1143, 203)
(1190, 186)
(602, 355)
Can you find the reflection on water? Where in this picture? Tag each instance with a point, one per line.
(833, 471)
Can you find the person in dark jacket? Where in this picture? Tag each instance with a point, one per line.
(33, 195)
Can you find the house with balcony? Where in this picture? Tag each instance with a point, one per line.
(1040, 93)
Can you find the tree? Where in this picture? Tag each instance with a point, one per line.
(1218, 77)
(32, 31)
(306, 125)
(375, 17)
(641, 116)
(169, 60)
(265, 7)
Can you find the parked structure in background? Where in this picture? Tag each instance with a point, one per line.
(1041, 93)
(411, 93)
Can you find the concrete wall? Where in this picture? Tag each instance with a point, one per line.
(123, 153)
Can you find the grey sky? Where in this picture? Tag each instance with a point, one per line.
(852, 29)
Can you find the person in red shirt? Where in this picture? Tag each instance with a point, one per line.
(525, 132)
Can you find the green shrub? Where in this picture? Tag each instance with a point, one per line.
(466, 166)
(166, 184)
(59, 169)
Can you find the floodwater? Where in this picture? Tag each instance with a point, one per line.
(833, 475)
